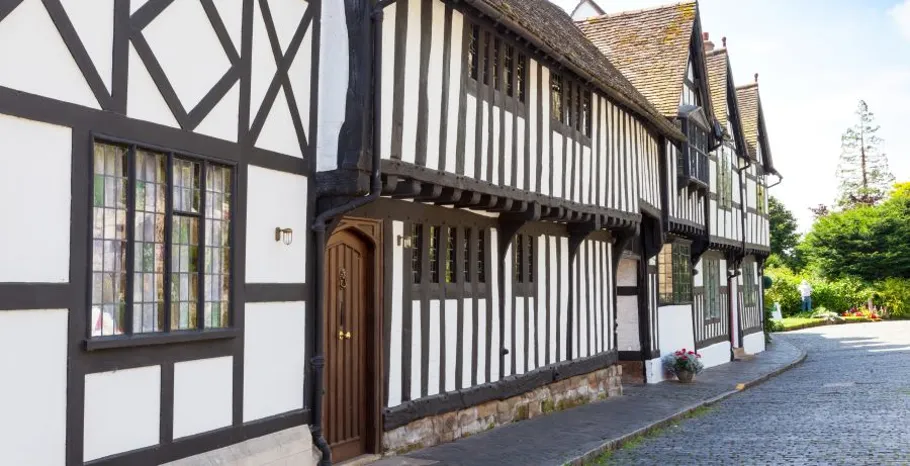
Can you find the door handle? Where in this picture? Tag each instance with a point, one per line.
(341, 334)
(347, 335)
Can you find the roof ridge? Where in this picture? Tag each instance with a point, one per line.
(640, 10)
(747, 86)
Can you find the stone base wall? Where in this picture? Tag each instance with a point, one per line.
(288, 447)
(454, 425)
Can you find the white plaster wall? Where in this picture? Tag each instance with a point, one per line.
(203, 395)
(33, 391)
(716, 354)
(698, 278)
(675, 328)
(45, 66)
(627, 273)
(333, 82)
(627, 311)
(276, 199)
(35, 172)
(754, 343)
(107, 430)
(273, 358)
(188, 50)
(397, 322)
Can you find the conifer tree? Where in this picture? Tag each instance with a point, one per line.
(863, 169)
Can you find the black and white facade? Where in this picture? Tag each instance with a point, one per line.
(149, 151)
(203, 264)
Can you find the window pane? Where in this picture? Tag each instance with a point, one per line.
(434, 254)
(530, 252)
(518, 259)
(556, 94)
(481, 254)
(520, 77)
(416, 252)
(109, 241)
(486, 57)
(495, 65)
(451, 272)
(665, 274)
(148, 258)
(185, 272)
(472, 51)
(217, 246)
(510, 69)
(466, 243)
(186, 185)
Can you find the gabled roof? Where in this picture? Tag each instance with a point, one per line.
(651, 47)
(720, 82)
(754, 123)
(550, 28)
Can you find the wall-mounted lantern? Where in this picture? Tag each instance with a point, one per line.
(404, 241)
(285, 235)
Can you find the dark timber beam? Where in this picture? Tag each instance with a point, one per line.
(503, 204)
(470, 199)
(449, 196)
(429, 192)
(406, 189)
(389, 183)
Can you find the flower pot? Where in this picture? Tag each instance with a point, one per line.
(685, 376)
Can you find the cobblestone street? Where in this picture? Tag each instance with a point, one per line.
(847, 404)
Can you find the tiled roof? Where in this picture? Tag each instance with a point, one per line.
(550, 25)
(650, 47)
(717, 82)
(747, 98)
(750, 114)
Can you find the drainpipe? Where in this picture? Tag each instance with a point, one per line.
(319, 228)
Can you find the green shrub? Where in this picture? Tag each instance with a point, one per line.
(895, 294)
(839, 295)
(784, 290)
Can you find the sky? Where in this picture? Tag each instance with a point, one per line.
(816, 59)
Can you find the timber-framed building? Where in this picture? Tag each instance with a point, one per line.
(309, 230)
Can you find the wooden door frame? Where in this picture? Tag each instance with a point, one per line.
(370, 230)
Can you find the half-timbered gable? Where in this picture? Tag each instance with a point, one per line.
(149, 150)
(660, 51)
(726, 197)
(757, 231)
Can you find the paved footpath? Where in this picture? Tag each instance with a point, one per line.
(847, 404)
(567, 436)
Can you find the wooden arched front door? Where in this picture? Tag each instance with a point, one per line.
(349, 401)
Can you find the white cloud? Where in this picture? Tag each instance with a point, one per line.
(901, 15)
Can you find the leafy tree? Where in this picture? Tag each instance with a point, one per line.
(870, 243)
(784, 237)
(863, 170)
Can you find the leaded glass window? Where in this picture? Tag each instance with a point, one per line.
(451, 264)
(750, 290)
(466, 244)
(152, 219)
(434, 254)
(416, 264)
(712, 289)
(674, 274)
(481, 255)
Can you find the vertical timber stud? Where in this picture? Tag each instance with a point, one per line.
(577, 234)
(651, 241)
